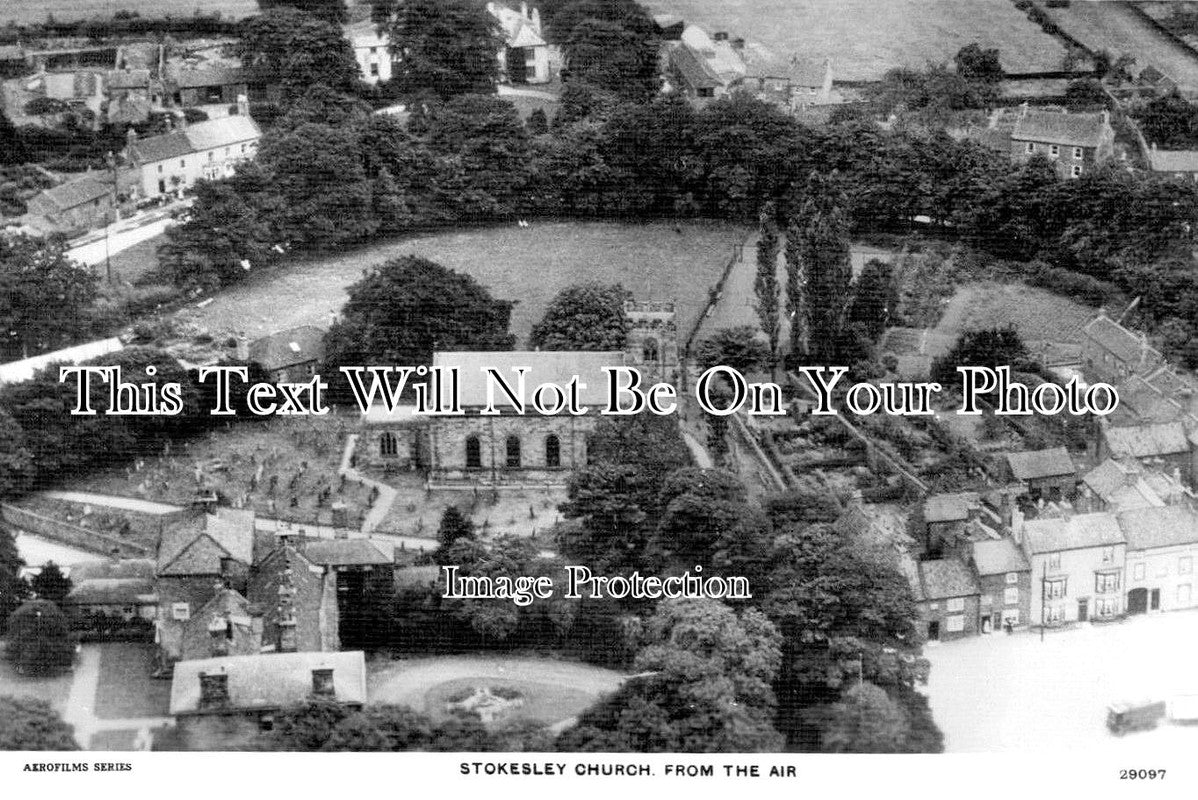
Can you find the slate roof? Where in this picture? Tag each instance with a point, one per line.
(1162, 526)
(1173, 160)
(345, 552)
(77, 191)
(1055, 127)
(518, 30)
(287, 348)
(1126, 345)
(125, 569)
(998, 557)
(945, 578)
(271, 681)
(948, 507)
(111, 591)
(1052, 534)
(693, 68)
(1034, 464)
(1122, 486)
(1141, 441)
(161, 147)
(227, 534)
(543, 366)
(208, 76)
(128, 79)
(1147, 402)
(196, 137)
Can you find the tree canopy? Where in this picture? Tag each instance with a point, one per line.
(443, 48)
(587, 316)
(298, 50)
(31, 724)
(39, 638)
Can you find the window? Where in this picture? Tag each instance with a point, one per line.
(1012, 577)
(1137, 572)
(705, 91)
(1183, 593)
(955, 604)
(1108, 555)
(374, 69)
(322, 682)
(388, 445)
(211, 155)
(1185, 565)
(243, 148)
(649, 350)
(1010, 615)
(1076, 171)
(954, 624)
(474, 453)
(373, 50)
(553, 451)
(1031, 147)
(1011, 597)
(1077, 153)
(1106, 582)
(1106, 607)
(513, 451)
(1054, 613)
(183, 163)
(181, 611)
(1054, 590)
(1162, 569)
(1054, 560)
(160, 168)
(1054, 150)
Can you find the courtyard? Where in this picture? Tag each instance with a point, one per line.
(1018, 694)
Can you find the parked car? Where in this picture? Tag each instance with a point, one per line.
(1124, 718)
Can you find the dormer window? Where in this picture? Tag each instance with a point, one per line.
(322, 682)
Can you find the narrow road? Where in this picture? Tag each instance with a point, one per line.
(111, 501)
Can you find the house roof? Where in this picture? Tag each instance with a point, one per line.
(365, 34)
(1140, 441)
(948, 507)
(1126, 345)
(518, 30)
(286, 348)
(129, 568)
(196, 546)
(947, 577)
(77, 191)
(1148, 403)
(1160, 526)
(207, 76)
(160, 148)
(1034, 464)
(21, 371)
(128, 79)
(1122, 486)
(1077, 532)
(263, 682)
(693, 68)
(1057, 127)
(110, 591)
(196, 137)
(998, 557)
(345, 552)
(543, 366)
(1173, 160)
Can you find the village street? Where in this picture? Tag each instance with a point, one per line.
(1018, 694)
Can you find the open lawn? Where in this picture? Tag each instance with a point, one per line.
(125, 689)
(31, 11)
(659, 261)
(864, 38)
(1038, 315)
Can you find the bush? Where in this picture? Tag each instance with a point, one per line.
(195, 115)
(39, 638)
(1084, 288)
(45, 105)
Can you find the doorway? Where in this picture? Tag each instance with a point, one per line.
(1137, 601)
(933, 631)
(1083, 609)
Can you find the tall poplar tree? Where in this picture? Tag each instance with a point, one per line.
(765, 285)
(820, 271)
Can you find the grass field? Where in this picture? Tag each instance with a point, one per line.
(864, 38)
(54, 689)
(1038, 315)
(30, 11)
(527, 265)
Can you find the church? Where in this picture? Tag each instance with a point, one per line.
(511, 449)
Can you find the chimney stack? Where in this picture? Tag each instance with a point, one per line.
(243, 105)
(214, 690)
(322, 683)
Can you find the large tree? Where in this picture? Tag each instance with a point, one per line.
(442, 48)
(297, 50)
(39, 638)
(44, 297)
(406, 308)
(766, 292)
(31, 724)
(588, 316)
(613, 55)
(16, 462)
(820, 269)
(706, 687)
(13, 589)
(865, 720)
(51, 584)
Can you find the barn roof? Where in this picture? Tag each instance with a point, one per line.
(1057, 127)
(1034, 464)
